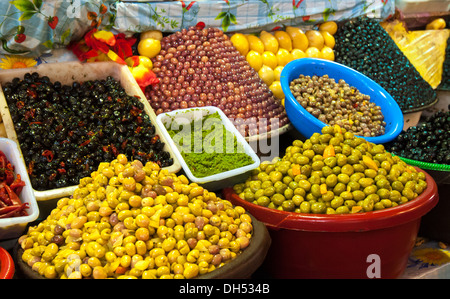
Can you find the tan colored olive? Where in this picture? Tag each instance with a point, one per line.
(130, 220)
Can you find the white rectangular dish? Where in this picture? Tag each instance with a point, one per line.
(216, 181)
(13, 227)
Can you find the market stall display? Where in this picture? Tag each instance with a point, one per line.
(308, 123)
(211, 150)
(68, 114)
(129, 220)
(365, 46)
(201, 67)
(137, 153)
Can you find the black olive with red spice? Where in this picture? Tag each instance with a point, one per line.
(65, 131)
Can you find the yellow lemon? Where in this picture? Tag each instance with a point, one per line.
(436, 24)
(240, 42)
(330, 27)
(276, 89)
(254, 59)
(149, 47)
(327, 53)
(315, 39)
(266, 74)
(270, 59)
(277, 72)
(156, 34)
(297, 54)
(270, 42)
(313, 52)
(284, 40)
(145, 61)
(283, 57)
(255, 43)
(299, 39)
(328, 39)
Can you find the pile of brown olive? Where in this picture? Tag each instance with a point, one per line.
(333, 173)
(128, 220)
(340, 104)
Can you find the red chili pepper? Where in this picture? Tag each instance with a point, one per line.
(30, 167)
(138, 129)
(124, 144)
(13, 196)
(36, 123)
(85, 142)
(20, 104)
(154, 139)
(114, 150)
(14, 210)
(48, 154)
(52, 176)
(17, 185)
(105, 148)
(61, 170)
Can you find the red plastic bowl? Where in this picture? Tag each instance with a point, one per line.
(365, 245)
(6, 265)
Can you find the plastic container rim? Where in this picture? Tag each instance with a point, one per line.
(372, 220)
(6, 264)
(395, 128)
(229, 126)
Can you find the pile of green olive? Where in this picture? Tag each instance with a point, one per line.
(333, 173)
(129, 220)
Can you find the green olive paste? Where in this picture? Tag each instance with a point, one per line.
(208, 147)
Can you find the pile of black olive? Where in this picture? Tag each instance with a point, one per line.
(445, 82)
(365, 46)
(65, 131)
(429, 141)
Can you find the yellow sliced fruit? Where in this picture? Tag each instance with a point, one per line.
(327, 53)
(276, 89)
(284, 40)
(297, 54)
(149, 47)
(436, 24)
(270, 42)
(255, 43)
(313, 52)
(328, 39)
(156, 34)
(240, 42)
(298, 37)
(266, 74)
(270, 59)
(315, 39)
(277, 72)
(329, 26)
(254, 59)
(283, 56)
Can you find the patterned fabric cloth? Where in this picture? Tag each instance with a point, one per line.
(33, 27)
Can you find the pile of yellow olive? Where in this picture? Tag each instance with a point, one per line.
(133, 221)
(333, 173)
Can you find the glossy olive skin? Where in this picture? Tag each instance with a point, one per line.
(65, 131)
(357, 176)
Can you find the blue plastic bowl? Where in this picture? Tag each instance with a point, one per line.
(307, 124)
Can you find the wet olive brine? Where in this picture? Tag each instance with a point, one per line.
(65, 131)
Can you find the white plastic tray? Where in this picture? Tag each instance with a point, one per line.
(67, 73)
(216, 181)
(13, 227)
